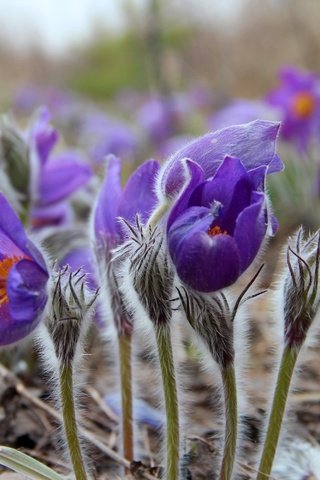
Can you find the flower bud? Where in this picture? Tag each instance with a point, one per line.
(71, 308)
(150, 271)
(301, 287)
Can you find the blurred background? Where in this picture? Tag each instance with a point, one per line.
(139, 78)
(96, 48)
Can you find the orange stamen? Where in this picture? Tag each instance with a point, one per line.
(5, 266)
(213, 231)
(303, 105)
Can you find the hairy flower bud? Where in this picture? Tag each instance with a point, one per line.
(212, 318)
(150, 270)
(71, 308)
(301, 287)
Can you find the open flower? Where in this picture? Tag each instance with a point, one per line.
(298, 99)
(23, 279)
(219, 222)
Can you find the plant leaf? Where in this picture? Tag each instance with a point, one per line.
(26, 465)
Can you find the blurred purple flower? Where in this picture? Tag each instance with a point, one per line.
(158, 117)
(23, 279)
(238, 112)
(137, 197)
(142, 411)
(54, 178)
(217, 225)
(298, 101)
(103, 135)
(82, 257)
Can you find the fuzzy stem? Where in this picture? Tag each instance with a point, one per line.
(170, 399)
(288, 361)
(158, 213)
(231, 421)
(70, 422)
(126, 395)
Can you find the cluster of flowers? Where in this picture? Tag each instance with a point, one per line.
(169, 245)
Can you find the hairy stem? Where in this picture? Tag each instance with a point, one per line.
(288, 361)
(126, 395)
(158, 213)
(231, 421)
(70, 422)
(171, 401)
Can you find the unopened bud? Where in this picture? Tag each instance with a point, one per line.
(71, 308)
(301, 287)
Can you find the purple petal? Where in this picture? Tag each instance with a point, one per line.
(42, 135)
(57, 214)
(13, 239)
(26, 287)
(106, 210)
(251, 227)
(61, 177)
(138, 196)
(254, 143)
(196, 177)
(208, 264)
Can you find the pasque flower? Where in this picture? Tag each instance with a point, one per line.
(298, 100)
(137, 197)
(23, 279)
(219, 221)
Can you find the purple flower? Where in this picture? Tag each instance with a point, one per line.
(104, 135)
(238, 112)
(298, 101)
(217, 225)
(158, 118)
(54, 178)
(253, 143)
(137, 197)
(23, 279)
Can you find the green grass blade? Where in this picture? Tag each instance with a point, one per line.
(27, 466)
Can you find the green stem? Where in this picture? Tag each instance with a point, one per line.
(70, 422)
(231, 421)
(126, 395)
(288, 361)
(171, 401)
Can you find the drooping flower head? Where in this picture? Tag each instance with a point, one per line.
(298, 100)
(219, 221)
(23, 279)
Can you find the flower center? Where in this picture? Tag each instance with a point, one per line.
(303, 105)
(5, 266)
(216, 230)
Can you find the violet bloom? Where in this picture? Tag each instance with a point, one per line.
(54, 178)
(23, 279)
(104, 135)
(137, 197)
(238, 112)
(158, 118)
(298, 100)
(221, 218)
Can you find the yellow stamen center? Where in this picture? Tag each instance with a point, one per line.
(303, 105)
(5, 266)
(213, 231)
